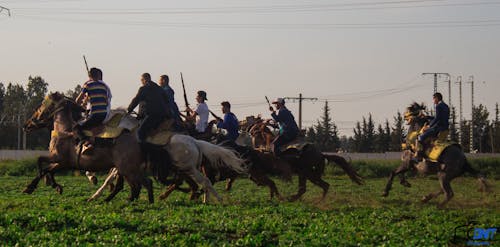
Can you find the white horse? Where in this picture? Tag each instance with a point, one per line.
(186, 155)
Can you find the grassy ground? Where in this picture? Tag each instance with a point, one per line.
(351, 215)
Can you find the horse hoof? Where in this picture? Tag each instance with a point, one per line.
(406, 184)
(28, 191)
(385, 194)
(425, 199)
(93, 180)
(59, 190)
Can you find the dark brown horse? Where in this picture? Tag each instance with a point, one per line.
(308, 163)
(60, 114)
(450, 164)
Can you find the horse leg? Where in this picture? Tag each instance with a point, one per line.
(229, 183)
(148, 184)
(34, 183)
(91, 177)
(400, 170)
(261, 179)
(54, 184)
(167, 192)
(205, 184)
(109, 180)
(194, 189)
(118, 188)
(321, 183)
(444, 181)
(431, 196)
(302, 188)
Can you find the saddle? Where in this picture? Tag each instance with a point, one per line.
(298, 144)
(113, 127)
(161, 135)
(433, 146)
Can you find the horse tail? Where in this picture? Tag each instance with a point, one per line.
(346, 166)
(480, 177)
(220, 157)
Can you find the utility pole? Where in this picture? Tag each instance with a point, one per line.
(459, 82)
(6, 9)
(436, 78)
(471, 81)
(449, 90)
(300, 99)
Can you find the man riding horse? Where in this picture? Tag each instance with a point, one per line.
(229, 122)
(438, 124)
(288, 127)
(98, 95)
(153, 108)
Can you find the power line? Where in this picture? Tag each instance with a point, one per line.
(284, 26)
(5, 9)
(264, 9)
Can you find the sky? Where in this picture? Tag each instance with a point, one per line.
(363, 56)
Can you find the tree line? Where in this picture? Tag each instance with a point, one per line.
(369, 137)
(18, 102)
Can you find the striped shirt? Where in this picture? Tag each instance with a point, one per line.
(98, 93)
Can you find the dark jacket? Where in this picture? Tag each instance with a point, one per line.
(287, 123)
(153, 101)
(231, 124)
(441, 120)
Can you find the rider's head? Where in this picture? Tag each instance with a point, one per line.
(201, 96)
(437, 97)
(279, 102)
(226, 106)
(95, 74)
(146, 77)
(164, 80)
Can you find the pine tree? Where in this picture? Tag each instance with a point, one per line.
(324, 133)
(453, 125)
(397, 134)
(357, 139)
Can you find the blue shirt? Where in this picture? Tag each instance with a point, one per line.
(231, 124)
(286, 121)
(441, 121)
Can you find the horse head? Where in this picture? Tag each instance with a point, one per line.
(51, 104)
(42, 117)
(415, 116)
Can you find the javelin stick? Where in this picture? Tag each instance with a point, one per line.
(269, 103)
(86, 65)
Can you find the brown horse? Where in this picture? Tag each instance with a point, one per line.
(309, 164)
(450, 164)
(60, 113)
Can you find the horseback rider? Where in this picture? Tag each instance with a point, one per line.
(98, 95)
(229, 123)
(153, 109)
(201, 112)
(174, 109)
(438, 123)
(288, 127)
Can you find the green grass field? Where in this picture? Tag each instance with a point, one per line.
(351, 215)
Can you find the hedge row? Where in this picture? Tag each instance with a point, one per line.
(366, 168)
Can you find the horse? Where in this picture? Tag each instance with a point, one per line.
(257, 167)
(449, 164)
(308, 163)
(184, 155)
(60, 113)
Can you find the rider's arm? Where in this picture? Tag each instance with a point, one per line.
(138, 98)
(439, 113)
(81, 95)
